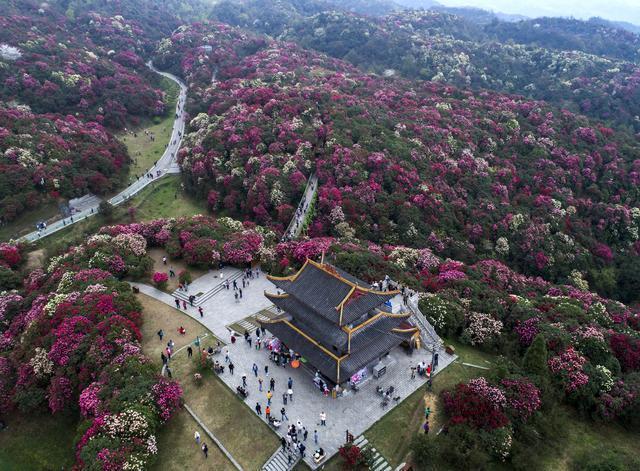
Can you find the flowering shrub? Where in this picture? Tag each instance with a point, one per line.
(481, 328)
(568, 367)
(522, 398)
(465, 405)
(78, 332)
(160, 279)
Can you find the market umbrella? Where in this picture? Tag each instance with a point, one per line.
(295, 364)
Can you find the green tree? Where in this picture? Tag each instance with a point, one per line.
(106, 210)
(535, 359)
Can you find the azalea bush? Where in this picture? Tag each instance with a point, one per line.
(160, 279)
(71, 340)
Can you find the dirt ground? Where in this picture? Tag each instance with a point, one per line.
(158, 315)
(178, 265)
(248, 439)
(35, 259)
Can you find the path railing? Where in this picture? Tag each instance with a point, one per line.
(428, 333)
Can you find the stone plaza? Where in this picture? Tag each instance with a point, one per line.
(354, 411)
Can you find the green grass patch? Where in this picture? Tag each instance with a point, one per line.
(143, 151)
(42, 442)
(26, 222)
(166, 199)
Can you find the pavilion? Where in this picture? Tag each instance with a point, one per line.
(336, 322)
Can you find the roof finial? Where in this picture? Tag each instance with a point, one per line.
(322, 259)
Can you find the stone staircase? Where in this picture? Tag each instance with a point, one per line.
(201, 298)
(430, 339)
(379, 462)
(279, 461)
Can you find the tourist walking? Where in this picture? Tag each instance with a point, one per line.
(236, 296)
(413, 372)
(201, 311)
(272, 384)
(290, 383)
(240, 291)
(284, 398)
(323, 418)
(226, 355)
(283, 442)
(244, 380)
(189, 351)
(163, 358)
(266, 370)
(269, 396)
(196, 436)
(161, 334)
(260, 384)
(315, 437)
(258, 408)
(184, 305)
(231, 367)
(267, 412)
(305, 433)
(177, 301)
(302, 448)
(283, 413)
(205, 450)
(164, 259)
(290, 393)
(255, 370)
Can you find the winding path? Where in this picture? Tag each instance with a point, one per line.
(166, 164)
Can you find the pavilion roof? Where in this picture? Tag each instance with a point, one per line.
(332, 293)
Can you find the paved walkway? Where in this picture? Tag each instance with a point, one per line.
(166, 164)
(355, 412)
(297, 221)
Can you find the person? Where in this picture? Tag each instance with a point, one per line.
(269, 396)
(435, 360)
(413, 372)
(302, 448)
(266, 370)
(236, 296)
(177, 301)
(191, 297)
(260, 384)
(164, 358)
(169, 371)
(323, 418)
(201, 311)
(272, 384)
(283, 413)
(233, 339)
(299, 426)
(283, 442)
(249, 340)
(258, 408)
(240, 291)
(244, 380)
(205, 450)
(182, 331)
(290, 393)
(226, 355)
(161, 334)
(231, 367)
(255, 370)
(258, 342)
(164, 260)
(284, 398)
(189, 351)
(290, 383)
(305, 433)
(196, 436)
(267, 412)
(315, 437)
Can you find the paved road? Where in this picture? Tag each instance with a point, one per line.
(166, 164)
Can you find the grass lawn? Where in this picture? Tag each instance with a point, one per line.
(166, 199)
(248, 439)
(26, 222)
(143, 151)
(43, 442)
